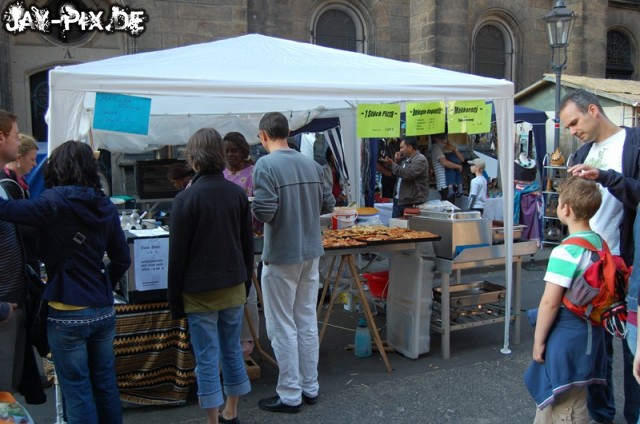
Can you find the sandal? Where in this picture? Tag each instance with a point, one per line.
(223, 420)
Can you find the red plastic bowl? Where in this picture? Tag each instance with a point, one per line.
(378, 283)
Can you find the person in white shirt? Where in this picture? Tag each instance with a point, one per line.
(610, 156)
(478, 190)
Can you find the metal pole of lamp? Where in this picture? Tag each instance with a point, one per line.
(559, 22)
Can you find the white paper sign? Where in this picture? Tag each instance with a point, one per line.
(151, 263)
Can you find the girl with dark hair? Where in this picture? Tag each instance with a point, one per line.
(239, 165)
(77, 224)
(180, 175)
(210, 265)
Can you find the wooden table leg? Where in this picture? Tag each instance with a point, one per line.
(256, 284)
(367, 311)
(334, 294)
(256, 339)
(327, 282)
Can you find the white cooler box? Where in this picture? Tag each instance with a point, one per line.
(409, 304)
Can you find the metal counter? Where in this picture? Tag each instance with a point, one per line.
(475, 258)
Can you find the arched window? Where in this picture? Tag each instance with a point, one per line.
(339, 27)
(620, 56)
(493, 51)
(39, 91)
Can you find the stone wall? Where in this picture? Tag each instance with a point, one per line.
(433, 32)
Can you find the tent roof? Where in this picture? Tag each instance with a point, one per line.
(253, 66)
(250, 75)
(521, 113)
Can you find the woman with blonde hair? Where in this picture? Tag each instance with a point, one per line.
(24, 163)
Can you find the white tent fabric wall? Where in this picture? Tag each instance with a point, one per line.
(229, 84)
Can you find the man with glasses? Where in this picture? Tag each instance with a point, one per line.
(610, 155)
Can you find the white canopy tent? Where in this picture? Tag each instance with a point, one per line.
(229, 84)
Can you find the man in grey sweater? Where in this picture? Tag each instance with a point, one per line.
(289, 196)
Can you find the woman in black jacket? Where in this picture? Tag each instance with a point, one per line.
(210, 265)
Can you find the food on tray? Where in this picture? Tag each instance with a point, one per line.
(373, 233)
(367, 211)
(331, 242)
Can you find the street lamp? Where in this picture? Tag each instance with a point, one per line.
(559, 26)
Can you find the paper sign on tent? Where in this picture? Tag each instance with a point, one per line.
(469, 117)
(122, 113)
(378, 120)
(425, 118)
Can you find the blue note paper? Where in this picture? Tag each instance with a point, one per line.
(122, 113)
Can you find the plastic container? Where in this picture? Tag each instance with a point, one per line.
(134, 220)
(368, 216)
(378, 283)
(409, 304)
(343, 218)
(363, 340)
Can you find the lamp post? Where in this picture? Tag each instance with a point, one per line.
(559, 22)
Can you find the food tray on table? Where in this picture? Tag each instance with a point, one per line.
(371, 235)
(497, 231)
(477, 293)
(374, 242)
(330, 244)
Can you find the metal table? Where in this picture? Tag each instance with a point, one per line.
(474, 258)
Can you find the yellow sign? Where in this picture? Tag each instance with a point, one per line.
(425, 118)
(469, 116)
(379, 120)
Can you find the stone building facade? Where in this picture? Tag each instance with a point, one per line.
(497, 38)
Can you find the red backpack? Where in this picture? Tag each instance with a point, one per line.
(599, 293)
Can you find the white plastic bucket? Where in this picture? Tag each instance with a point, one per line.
(369, 219)
(343, 218)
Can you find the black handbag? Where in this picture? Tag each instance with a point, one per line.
(38, 311)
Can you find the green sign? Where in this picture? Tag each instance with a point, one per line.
(469, 116)
(378, 120)
(425, 118)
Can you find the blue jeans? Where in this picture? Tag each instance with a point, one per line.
(632, 338)
(600, 400)
(215, 337)
(82, 349)
(397, 211)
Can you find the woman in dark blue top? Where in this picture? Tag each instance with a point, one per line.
(77, 224)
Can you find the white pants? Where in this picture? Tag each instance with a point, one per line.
(290, 295)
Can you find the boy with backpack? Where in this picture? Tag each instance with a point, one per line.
(568, 350)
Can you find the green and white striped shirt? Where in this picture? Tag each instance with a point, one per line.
(567, 261)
